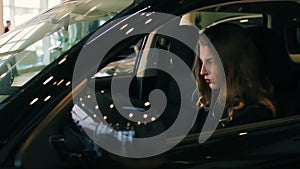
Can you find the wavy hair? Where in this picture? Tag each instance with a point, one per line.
(246, 82)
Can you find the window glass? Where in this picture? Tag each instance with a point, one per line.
(117, 68)
(52, 3)
(27, 4)
(7, 11)
(145, 58)
(125, 63)
(6, 2)
(23, 14)
(204, 19)
(293, 39)
(28, 49)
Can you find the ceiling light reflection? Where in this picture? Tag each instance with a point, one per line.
(60, 82)
(33, 101)
(150, 13)
(153, 118)
(243, 133)
(148, 21)
(68, 83)
(111, 106)
(244, 20)
(63, 60)
(147, 104)
(129, 31)
(48, 80)
(124, 26)
(47, 98)
(145, 116)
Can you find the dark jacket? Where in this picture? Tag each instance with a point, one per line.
(6, 29)
(249, 114)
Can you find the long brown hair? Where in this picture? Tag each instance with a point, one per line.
(246, 82)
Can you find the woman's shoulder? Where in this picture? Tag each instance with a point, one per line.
(249, 114)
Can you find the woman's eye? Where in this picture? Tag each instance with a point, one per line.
(209, 61)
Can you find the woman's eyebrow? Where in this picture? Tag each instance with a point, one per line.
(208, 59)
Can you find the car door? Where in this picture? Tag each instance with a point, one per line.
(80, 126)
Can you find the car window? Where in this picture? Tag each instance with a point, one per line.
(117, 68)
(204, 19)
(29, 48)
(293, 39)
(157, 67)
(148, 77)
(273, 48)
(153, 62)
(124, 65)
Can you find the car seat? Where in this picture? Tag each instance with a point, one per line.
(280, 69)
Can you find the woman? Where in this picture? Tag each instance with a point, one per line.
(248, 93)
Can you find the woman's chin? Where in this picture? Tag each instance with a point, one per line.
(213, 86)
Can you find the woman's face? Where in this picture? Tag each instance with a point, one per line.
(210, 70)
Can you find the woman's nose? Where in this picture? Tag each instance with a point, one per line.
(203, 70)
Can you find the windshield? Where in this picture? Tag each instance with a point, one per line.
(29, 48)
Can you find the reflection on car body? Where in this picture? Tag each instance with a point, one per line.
(47, 118)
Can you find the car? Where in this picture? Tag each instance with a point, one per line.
(110, 84)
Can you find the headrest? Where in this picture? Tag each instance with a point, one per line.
(275, 57)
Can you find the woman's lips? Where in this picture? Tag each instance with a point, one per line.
(207, 80)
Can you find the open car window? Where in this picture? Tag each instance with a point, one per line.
(143, 67)
(276, 43)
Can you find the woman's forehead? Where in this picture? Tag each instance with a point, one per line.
(205, 52)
